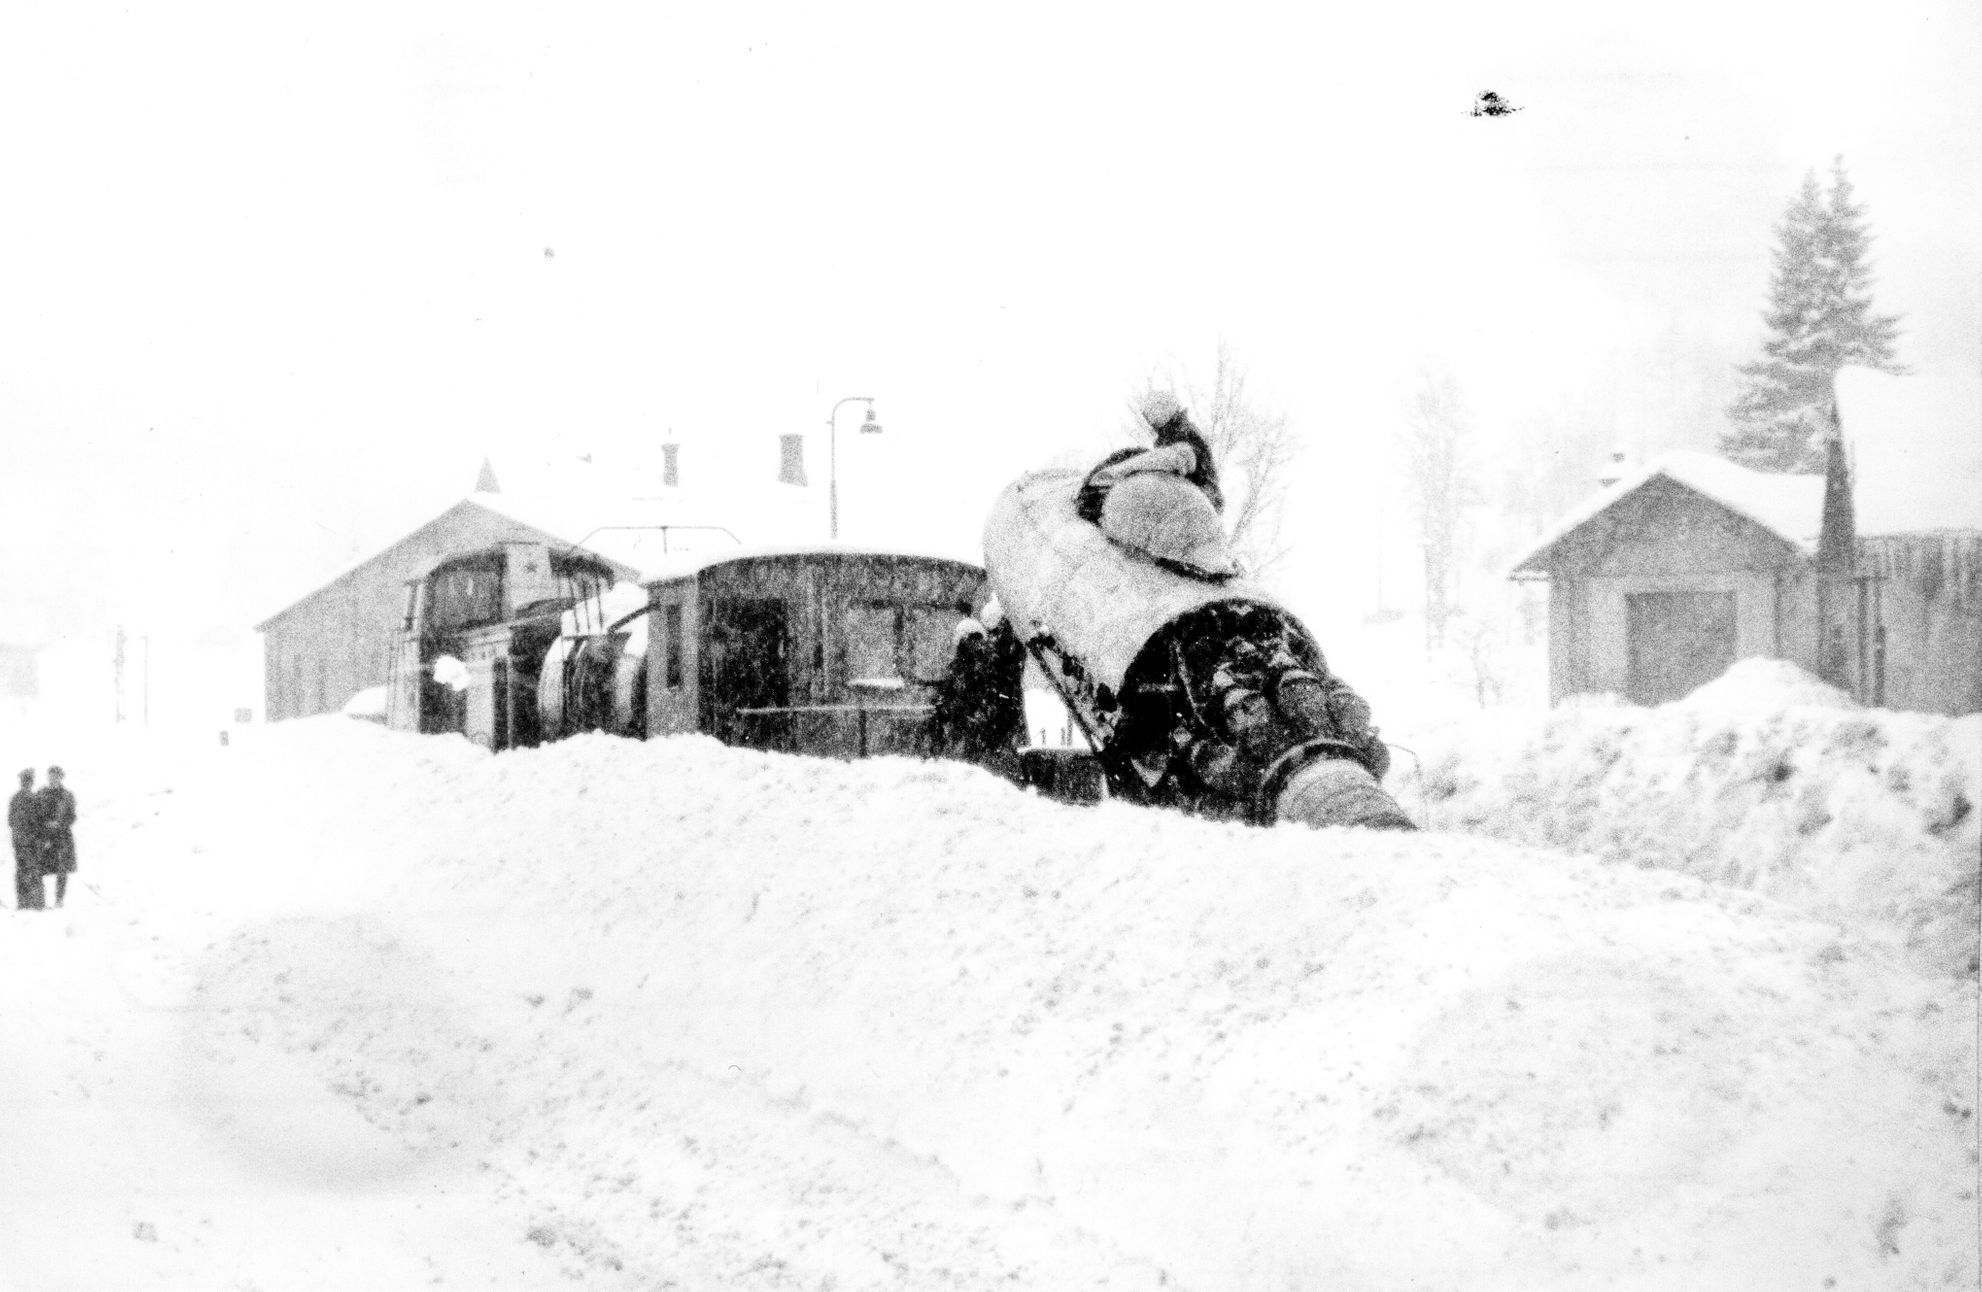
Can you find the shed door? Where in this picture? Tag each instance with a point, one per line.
(1678, 641)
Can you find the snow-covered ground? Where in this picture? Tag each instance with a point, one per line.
(342, 1008)
(1765, 779)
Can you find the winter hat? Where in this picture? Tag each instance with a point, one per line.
(27, 776)
(55, 771)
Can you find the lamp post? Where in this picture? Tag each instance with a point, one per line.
(868, 427)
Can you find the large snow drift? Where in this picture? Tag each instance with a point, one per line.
(1764, 779)
(674, 1014)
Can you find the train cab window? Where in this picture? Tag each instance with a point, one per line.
(671, 634)
(465, 593)
(580, 579)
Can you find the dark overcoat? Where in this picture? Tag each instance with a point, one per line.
(23, 814)
(57, 809)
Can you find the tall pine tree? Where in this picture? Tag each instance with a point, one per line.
(1819, 319)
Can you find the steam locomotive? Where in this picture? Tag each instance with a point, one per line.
(1195, 692)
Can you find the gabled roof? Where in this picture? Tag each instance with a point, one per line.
(1789, 506)
(634, 533)
(624, 531)
(1915, 445)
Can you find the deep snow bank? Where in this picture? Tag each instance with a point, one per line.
(1764, 779)
(781, 1021)
(159, 1133)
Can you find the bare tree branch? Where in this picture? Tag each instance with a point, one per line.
(1434, 446)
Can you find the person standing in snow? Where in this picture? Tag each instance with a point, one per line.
(956, 693)
(23, 822)
(56, 808)
(979, 714)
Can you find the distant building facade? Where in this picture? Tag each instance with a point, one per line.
(1869, 576)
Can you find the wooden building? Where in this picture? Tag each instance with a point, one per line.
(1869, 576)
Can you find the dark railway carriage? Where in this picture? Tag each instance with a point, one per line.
(833, 651)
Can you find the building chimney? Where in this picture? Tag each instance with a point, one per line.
(791, 461)
(486, 481)
(671, 465)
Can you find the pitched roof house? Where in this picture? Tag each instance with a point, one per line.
(1869, 576)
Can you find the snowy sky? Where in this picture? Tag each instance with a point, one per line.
(274, 284)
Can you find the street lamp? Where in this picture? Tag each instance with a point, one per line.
(868, 427)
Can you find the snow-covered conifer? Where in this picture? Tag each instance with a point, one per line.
(1819, 319)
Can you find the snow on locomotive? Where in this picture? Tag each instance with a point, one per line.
(1196, 689)
(830, 649)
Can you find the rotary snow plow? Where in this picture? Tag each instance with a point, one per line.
(1195, 689)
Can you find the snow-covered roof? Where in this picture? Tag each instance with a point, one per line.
(619, 515)
(1916, 450)
(1788, 506)
(689, 564)
(624, 530)
(636, 533)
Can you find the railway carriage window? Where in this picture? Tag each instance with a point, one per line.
(911, 643)
(672, 633)
(926, 641)
(871, 635)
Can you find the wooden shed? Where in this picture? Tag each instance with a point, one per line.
(1869, 576)
(1912, 636)
(1669, 575)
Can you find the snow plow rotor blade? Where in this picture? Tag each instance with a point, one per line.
(1339, 791)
